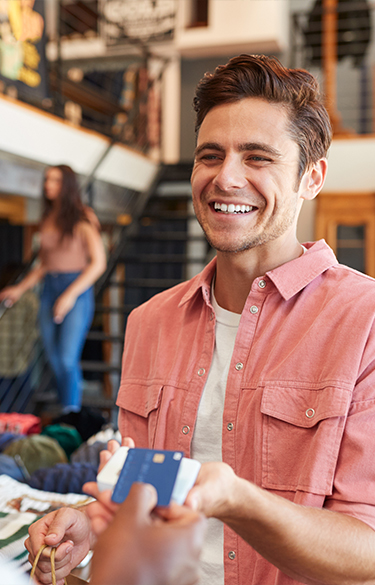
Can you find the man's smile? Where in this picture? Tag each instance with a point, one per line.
(231, 208)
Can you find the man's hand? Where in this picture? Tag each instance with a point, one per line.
(67, 529)
(310, 545)
(213, 490)
(139, 547)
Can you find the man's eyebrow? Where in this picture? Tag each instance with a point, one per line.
(260, 146)
(208, 146)
(246, 146)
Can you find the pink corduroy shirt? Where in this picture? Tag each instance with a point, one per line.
(299, 412)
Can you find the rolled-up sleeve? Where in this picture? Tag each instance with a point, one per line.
(354, 481)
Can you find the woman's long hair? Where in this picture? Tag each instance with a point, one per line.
(71, 210)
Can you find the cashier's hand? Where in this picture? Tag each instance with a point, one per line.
(214, 490)
(139, 547)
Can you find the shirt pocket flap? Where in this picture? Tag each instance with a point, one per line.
(139, 399)
(305, 407)
(302, 431)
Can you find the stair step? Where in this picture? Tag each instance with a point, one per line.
(169, 237)
(166, 193)
(100, 336)
(47, 401)
(122, 309)
(178, 172)
(163, 283)
(96, 366)
(100, 402)
(160, 258)
(167, 215)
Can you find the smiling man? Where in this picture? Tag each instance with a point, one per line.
(246, 190)
(263, 366)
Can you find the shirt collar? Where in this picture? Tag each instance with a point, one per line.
(292, 277)
(201, 281)
(289, 278)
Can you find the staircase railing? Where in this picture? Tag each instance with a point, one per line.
(113, 94)
(125, 233)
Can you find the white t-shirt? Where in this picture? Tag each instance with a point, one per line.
(206, 443)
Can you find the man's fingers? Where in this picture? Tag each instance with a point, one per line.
(177, 514)
(193, 499)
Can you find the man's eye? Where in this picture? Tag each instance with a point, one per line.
(209, 157)
(258, 158)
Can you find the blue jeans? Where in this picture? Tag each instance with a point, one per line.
(63, 343)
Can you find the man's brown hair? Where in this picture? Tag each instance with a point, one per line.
(265, 77)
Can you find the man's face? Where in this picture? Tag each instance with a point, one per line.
(245, 184)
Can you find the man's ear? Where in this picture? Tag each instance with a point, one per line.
(313, 179)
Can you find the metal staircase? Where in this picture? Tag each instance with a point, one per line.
(162, 247)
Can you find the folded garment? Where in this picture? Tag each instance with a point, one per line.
(9, 466)
(63, 478)
(87, 453)
(67, 437)
(37, 451)
(7, 438)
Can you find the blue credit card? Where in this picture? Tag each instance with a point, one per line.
(159, 468)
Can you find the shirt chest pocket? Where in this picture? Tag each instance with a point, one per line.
(151, 413)
(140, 409)
(301, 435)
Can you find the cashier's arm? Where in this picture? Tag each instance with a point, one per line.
(311, 545)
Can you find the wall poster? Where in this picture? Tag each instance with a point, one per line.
(22, 47)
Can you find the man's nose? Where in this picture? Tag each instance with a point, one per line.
(230, 175)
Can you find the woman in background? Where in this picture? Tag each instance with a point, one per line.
(71, 259)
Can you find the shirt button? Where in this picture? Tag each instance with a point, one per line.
(239, 366)
(211, 316)
(310, 412)
(230, 426)
(186, 430)
(201, 372)
(232, 555)
(262, 284)
(253, 309)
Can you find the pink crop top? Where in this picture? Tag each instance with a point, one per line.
(69, 254)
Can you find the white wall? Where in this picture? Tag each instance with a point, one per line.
(351, 169)
(351, 165)
(29, 133)
(233, 26)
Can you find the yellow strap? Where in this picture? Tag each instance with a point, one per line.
(36, 560)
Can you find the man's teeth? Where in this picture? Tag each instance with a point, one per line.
(231, 208)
